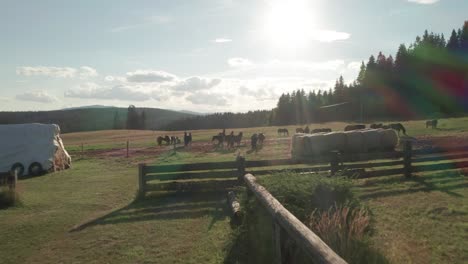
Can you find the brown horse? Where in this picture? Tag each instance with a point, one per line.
(299, 130)
(283, 131)
(398, 127)
(432, 123)
(261, 138)
(375, 126)
(321, 130)
(354, 127)
(165, 139)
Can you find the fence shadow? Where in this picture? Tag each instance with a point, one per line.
(442, 182)
(164, 207)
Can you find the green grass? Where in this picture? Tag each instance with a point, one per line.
(420, 220)
(164, 229)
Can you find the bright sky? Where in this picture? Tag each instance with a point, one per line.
(199, 55)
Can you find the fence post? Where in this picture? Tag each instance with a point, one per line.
(141, 179)
(334, 162)
(408, 149)
(240, 168)
(277, 258)
(127, 148)
(12, 180)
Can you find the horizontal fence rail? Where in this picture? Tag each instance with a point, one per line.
(198, 176)
(318, 250)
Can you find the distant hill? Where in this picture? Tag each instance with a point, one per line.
(91, 119)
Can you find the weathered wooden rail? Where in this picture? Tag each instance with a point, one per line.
(312, 245)
(222, 175)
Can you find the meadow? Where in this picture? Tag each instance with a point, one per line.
(89, 214)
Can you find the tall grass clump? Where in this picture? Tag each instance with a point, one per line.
(327, 205)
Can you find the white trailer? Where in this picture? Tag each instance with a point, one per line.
(32, 149)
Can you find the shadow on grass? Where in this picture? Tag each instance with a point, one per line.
(430, 183)
(166, 207)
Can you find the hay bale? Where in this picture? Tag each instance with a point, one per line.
(335, 141)
(297, 148)
(372, 139)
(388, 139)
(354, 142)
(317, 144)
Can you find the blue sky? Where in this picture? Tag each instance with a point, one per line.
(199, 55)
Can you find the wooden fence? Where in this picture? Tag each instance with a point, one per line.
(221, 175)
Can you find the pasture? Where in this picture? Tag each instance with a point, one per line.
(89, 214)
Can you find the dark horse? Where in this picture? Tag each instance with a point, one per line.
(220, 138)
(374, 126)
(165, 139)
(354, 127)
(237, 139)
(321, 130)
(299, 130)
(283, 131)
(398, 127)
(432, 123)
(261, 138)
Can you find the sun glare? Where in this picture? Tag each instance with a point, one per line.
(288, 24)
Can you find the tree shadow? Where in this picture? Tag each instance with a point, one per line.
(165, 207)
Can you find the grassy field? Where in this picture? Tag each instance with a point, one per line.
(422, 220)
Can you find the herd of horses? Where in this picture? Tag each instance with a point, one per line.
(173, 140)
(257, 139)
(232, 139)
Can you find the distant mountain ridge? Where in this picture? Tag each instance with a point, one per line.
(92, 118)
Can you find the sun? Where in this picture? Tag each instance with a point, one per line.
(287, 24)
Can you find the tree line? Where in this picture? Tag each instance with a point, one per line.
(426, 79)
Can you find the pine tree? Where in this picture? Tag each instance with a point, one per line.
(453, 43)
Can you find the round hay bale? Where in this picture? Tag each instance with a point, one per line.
(388, 139)
(297, 148)
(354, 142)
(335, 141)
(372, 139)
(317, 144)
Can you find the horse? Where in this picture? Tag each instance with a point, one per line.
(375, 126)
(167, 139)
(220, 138)
(237, 139)
(299, 130)
(160, 139)
(261, 138)
(283, 131)
(253, 141)
(321, 130)
(307, 130)
(432, 123)
(354, 127)
(398, 127)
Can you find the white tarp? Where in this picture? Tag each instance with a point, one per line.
(28, 143)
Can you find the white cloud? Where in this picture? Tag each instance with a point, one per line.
(196, 83)
(87, 72)
(330, 35)
(57, 72)
(354, 65)
(118, 92)
(424, 2)
(207, 98)
(37, 96)
(222, 40)
(83, 72)
(239, 62)
(141, 76)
